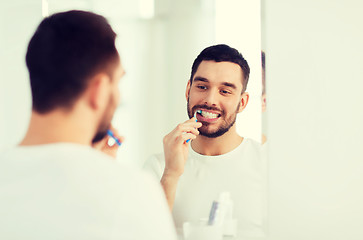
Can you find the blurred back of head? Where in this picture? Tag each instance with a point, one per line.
(66, 50)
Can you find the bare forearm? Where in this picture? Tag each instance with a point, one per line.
(169, 184)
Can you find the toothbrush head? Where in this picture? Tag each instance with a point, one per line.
(198, 111)
(195, 114)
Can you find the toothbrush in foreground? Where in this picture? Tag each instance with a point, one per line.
(110, 133)
(195, 115)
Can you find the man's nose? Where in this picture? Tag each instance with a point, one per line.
(211, 98)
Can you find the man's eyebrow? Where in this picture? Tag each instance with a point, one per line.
(231, 85)
(200, 79)
(227, 84)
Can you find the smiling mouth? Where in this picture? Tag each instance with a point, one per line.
(209, 115)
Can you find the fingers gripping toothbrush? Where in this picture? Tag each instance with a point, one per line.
(110, 133)
(195, 115)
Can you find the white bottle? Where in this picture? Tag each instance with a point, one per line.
(229, 224)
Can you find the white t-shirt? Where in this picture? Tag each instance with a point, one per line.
(70, 191)
(242, 172)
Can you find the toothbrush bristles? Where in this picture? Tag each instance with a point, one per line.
(198, 111)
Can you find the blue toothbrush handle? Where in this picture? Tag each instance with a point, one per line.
(195, 121)
(110, 133)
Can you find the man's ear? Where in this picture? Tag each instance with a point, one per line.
(244, 100)
(187, 90)
(98, 91)
(263, 101)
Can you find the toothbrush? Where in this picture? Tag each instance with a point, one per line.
(110, 133)
(213, 214)
(195, 115)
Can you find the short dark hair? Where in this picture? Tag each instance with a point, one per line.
(222, 53)
(263, 72)
(65, 51)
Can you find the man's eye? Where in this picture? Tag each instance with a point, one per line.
(202, 87)
(225, 92)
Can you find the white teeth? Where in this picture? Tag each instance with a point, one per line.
(209, 114)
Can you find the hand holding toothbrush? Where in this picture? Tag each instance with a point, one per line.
(176, 146)
(110, 143)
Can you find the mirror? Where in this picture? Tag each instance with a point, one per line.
(158, 41)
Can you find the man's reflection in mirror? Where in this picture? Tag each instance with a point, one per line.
(263, 99)
(215, 160)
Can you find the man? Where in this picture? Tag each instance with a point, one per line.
(263, 99)
(217, 159)
(54, 185)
